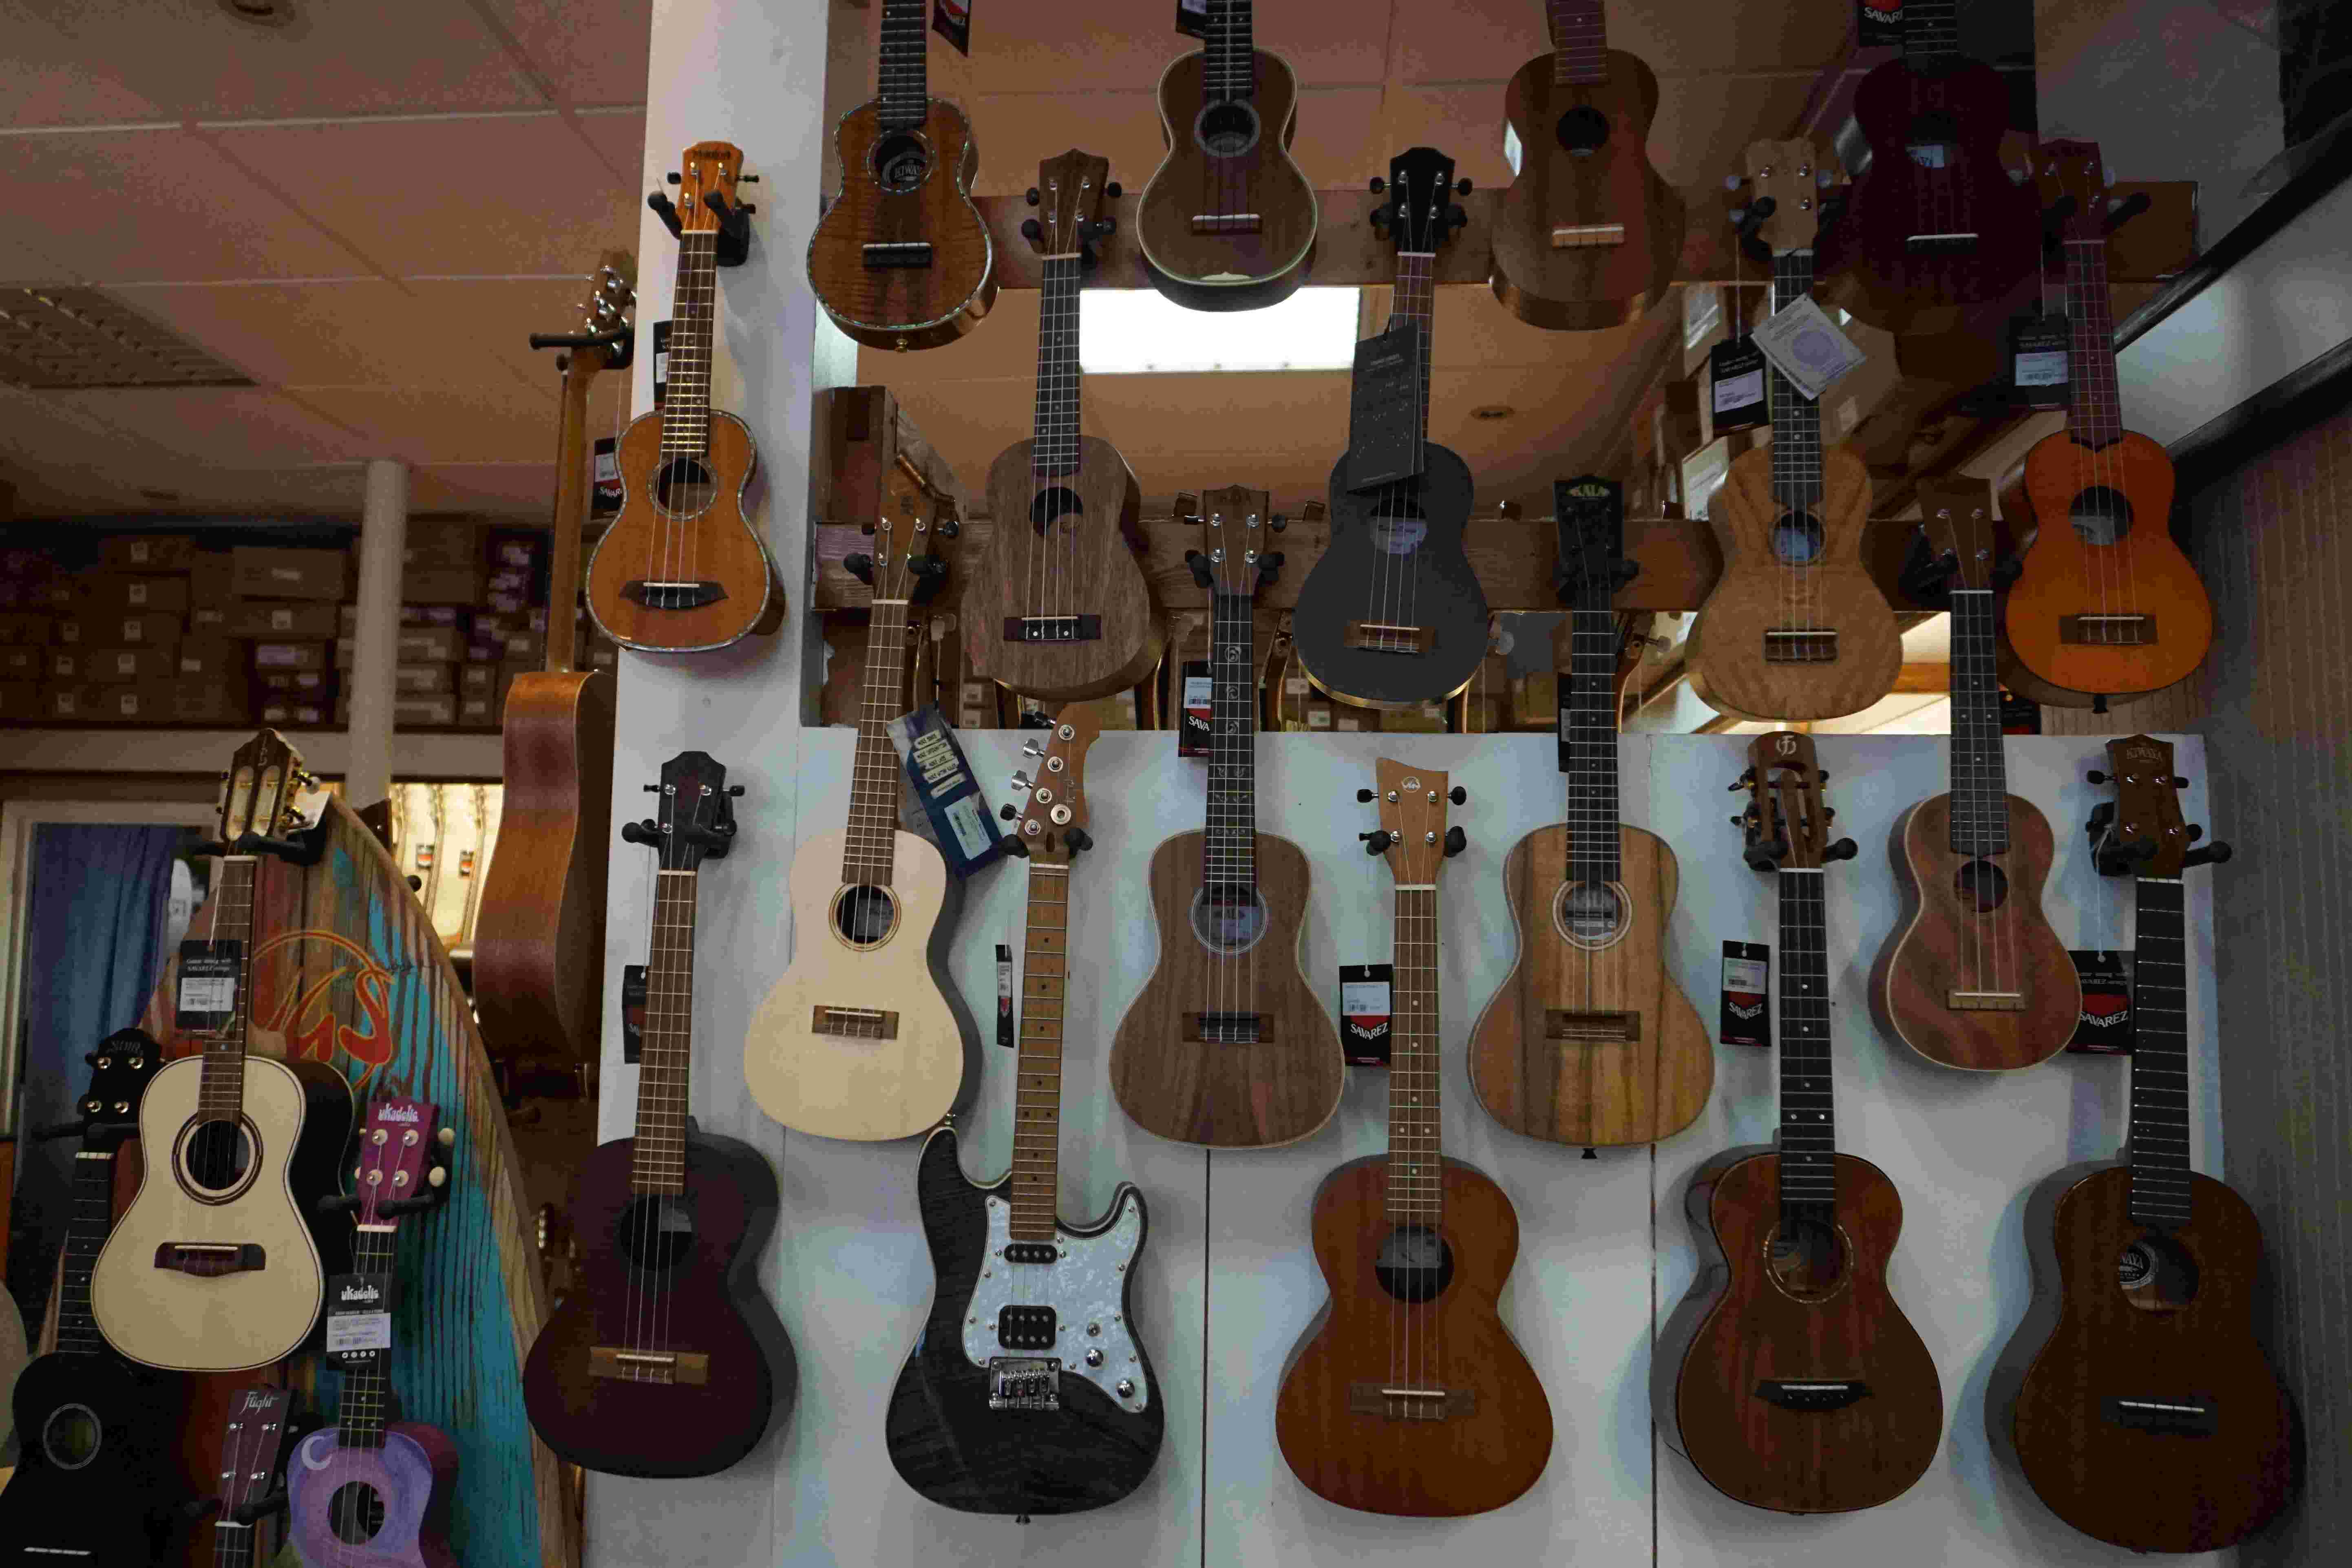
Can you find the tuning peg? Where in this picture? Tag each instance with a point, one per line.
(1199, 563)
(1457, 795)
(1377, 841)
(1462, 187)
(639, 833)
(1077, 838)
(1033, 231)
(1823, 178)
(2177, 782)
(1007, 812)
(674, 177)
(1020, 780)
(859, 565)
(2122, 212)
(2096, 776)
(1102, 228)
(1745, 780)
(1379, 185)
(1112, 190)
(1033, 196)
(1364, 796)
(1766, 856)
(1844, 849)
(1032, 749)
(734, 791)
(1457, 841)
(2217, 852)
(1456, 218)
(667, 210)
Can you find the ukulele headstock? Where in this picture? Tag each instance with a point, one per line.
(1790, 176)
(1589, 513)
(1419, 214)
(1071, 190)
(696, 819)
(396, 1144)
(1956, 521)
(900, 565)
(1053, 824)
(118, 1070)
(253, 1442)
(2141, 833)
(2071, 173)
(707, 169)
(1786, 822)
(1413, 838)
(261, 792)
(1233, 524)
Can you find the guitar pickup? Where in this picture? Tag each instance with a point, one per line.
(894, 254)
(1053, 628)
(671, 595)
(2177, 1415)
(1387, 636)
(1025, 1383)
(1031, 1251)
(1405, 1401)
(1593, 1028)
(648, 1367)
(2108, 631)
(1985, 1001)
(1027, 1328)
(1586, 236)
(854, 1023)
(211, 1260)
(1812, 1398)
(1226, 223)
(1228, 1028)
(1949, 244)
(1810, 645)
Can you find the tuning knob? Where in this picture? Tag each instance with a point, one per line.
(1364, 796)
(1112, 190)
(1457, 795)
(1457, 841)
(2215, 854)
(1377, 841)
(1379, 185)
(1033, 231)
(1844, 849)
(2096, 776)
(1462, 188)
(1033, 196)
(1006, 812)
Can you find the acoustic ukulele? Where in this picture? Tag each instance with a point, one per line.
(2147, 1415)
(1407, 1395)
(681, 570)
(253, 1457)
(1795, 628)
(1590, 1041)
(1588, 235)
(1789, 1377)
(1029, 1390)
(1227, 1045)
(1228, 221)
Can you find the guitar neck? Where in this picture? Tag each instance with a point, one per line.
(1415, 301)
(1590, 716)
(571, 494)
(2095, 415)
(1580, 42)
(1229, 843)
(694, 304)
(86, 1232)
(1980, 771)
(232, 1546)
(220, 1089)
(1416, 1182)
(658, 1165)
(1037, 1097)
(366, 1405)
(1796, 418)
(869, 853)
(1931, 31)
(903, 68)
(2158, 1151)
(1229, 70)
(1055, 448)
(1808, 1140)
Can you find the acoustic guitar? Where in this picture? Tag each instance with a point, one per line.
(681, 569)
(901, 260)
(1228, 221)
(1029, 1390)
(1407, 1396)
(2147, 1415)
(1589, 234)
(1227, 1046)
(1789, 1377)
(2107, 602)
(1058, 607)
(253, 1457)
(539, 931)
(1590, 1041)
(1795, 629)
(220, 1262)
(1974, 977)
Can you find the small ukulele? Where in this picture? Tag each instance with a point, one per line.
(252, 1473)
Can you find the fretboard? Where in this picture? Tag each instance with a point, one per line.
(2094, 417)
(658, 1164)
(86, 1232)
(220, 1089)
(1808, 1141)
(1580, 41)
(1931, 31)
(1056, 425)
(1416, 1156)
(1037, 1091)
(1229, 70)
(869, 852)
(1979, 765)
(2159, 1068)
(1796, 418)
(1229, 842)
(366, 1402)
(686, 396)
(1590, 716)
(1415, 301)
(231, 1544)
(903, 65)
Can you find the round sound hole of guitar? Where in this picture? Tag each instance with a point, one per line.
(71, 1436)
(1583, 131)
(1981, 885)
(1589, 915)
(1228, 920)
(655, 1233)
(901, 162)
(1806, 1260)
(1415, 1265)
(355, 1513)
(2101, 514)
(216, 1158)
(1058, 504)
(1796, 539)
(2156, 1274)
(1225, 130)
(684, 487)
(865, 916)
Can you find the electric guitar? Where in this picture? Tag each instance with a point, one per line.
(1588, 235)
(2147, 1415)
(667, 1332)
(220, 1262)
(252, 1474)
(1789, 1377)
(1227, 222)
(1029, 1390)
(1407, 1395)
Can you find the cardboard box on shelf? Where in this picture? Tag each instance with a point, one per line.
(441, 541)
(210, 658)
(118, 631)
(290, 655)
(260, 571)
(148, 552)
(409, 712)
(424, 680)
(211, 576)
(531, 647)
(308, 685)
(478, 712)
(26, 628)
(72, 702)
(300, 714)
(21, 699)
(142, 704)
(477, 680)
(413, 645)
(512, 548)
(509, 579)
(208, 702)
(137, 595)
(442, 584)
(126, 666)
(24, 663)
(209, 620)
(264, 618)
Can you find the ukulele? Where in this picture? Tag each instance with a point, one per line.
(666, 1357)
(1974, 977)
(1407, 1395)
(1934, 223)
(1795, 629)
(220, 1262)
(2147, 1416)
(681, 570)
(1228, 221)
(252, 1474)
(1058, 608)
(1587, 235)
(1227, 1046)
(1590, 1041)
(864, 1038)
(1392, 616)
(539, 931)
(2106, 602)
(901, 258)
(1789, 1377)
(1029, 1390)
(371, 1491)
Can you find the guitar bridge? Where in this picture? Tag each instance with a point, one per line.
(1225, 223)
(671, 595)
(674, 1367)
(1406, 1401)
(211, 1260)
(1810, 645)
(1228, 1028)
(1053, 628)
(887, 255)
(1593, 1028)
(1985, 1001)
(1815, 1398)
(1025, 1383)
(2170, 1415)
(1587, 236)
(1388, 636)
(2108, 631)
(854, 1023)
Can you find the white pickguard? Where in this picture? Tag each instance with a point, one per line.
(1087, 1288)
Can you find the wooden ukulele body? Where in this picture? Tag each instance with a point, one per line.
(1172, 1081)
(1741, 1328)
(410, 1477)
(90, 1481)
(1943, 949)
(1495, 1437)
(1191, 263)
(1558, 263)
(716, 545)
(1595, 1047)
(1756, 595)
(1065, 546)
(903, 306)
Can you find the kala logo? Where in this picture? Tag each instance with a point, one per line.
(405, 1114)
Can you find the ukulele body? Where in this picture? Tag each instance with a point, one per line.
(1205, 266)
(1495, 1437)
(91, 1473)
(1584, 171)
(714, 547)
(410, 1477)
(909, 306)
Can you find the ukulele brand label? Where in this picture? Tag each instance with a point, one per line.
(2103, 1027)
(208, 977)
(359, 1319)
(1747, 990)
(1367, 1005)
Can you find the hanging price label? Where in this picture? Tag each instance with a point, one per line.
(208, 977)
(1367, 1005)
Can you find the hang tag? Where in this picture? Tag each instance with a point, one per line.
(1746, 993)
(209, 972)
(1192, 735)
(1384, 410)
(1193, 19)
(606, 496)
(1367, 1004)
(1878, 24)
(1734, 375)
(1005, 1032)
(944, 788)
(2020, 715)
(359, 1320)
(1806, 346)
(2103, 1028)
(2040, 371)
(661, 362)
(952, 20)
(633, 1012)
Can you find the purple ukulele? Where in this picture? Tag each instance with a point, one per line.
(372, 1492)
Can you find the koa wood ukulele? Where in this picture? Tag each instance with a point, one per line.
(1227, 1046)
(1029, 1390)
(667, 1359)
(2145, 1414)
(1407, 1395)
(1227, 222)
(1590, 1041)
(1588, 235)
(220, 1262)
(252, 1474)
(1789, 1377)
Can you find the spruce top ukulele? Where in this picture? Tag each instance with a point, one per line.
(1227, 222)
(1590, 1041)
(252, 1472)
(2148, 1415)
(2106, 602)
(901, 258)
(1227, 1046)
(1589, 234)
(1795, 628)
(1407, 1396)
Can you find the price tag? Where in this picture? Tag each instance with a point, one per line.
(2040, 367)
(359, 1319)
(952, 20)
(1004, 1032)
(1806, 346)
(1746, 993)
(1366, 1005)
(661, 362)
(608, 495)
(2103, 1027)
(1193, 19)
(1192, 736)
(209, 972)
(1734, 372)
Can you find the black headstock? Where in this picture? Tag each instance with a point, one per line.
(1419, 213)
(697, 818)
(108, 1110)
(1590, 515)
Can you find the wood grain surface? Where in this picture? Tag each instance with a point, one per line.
(904, 307)
(1211, 271)
(719, 546)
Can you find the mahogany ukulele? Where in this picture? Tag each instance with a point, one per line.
(253, 1455)
(1407, 1396)
(1228, 221)
(2147, 1415)
(681, 569)
(1795, 629)
(1227, 1045)
(1587, 235)
(1789, 1377)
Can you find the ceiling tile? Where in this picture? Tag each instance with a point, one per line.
(1480, 43)
(54, 80)
(319, 334)
(220, 427)
(620, 140)
(458, 423)
(590, 52)
(1337, 144)
(1327, 46)
(1698, 40)
(1700, 134)
(1017, 132)
(1463, 122)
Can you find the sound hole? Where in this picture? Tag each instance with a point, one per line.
(1228, 919)
(863, 916)
(1583, 131)
(2101, 514)
(1055, 505)
(684, 487)
(1796, 539)
(1982, 884)
(901, 161)
(355, 1513)
(1806, 1258)
(1226, 129)
(1588, 914)
(1414, 1264)
(2156, 1274)
(71, 1436)
(655, 1232)
(219, 1156)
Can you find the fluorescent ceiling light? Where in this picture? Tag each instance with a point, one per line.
(1131, 331)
